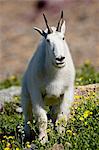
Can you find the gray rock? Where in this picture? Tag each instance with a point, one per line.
(6, 95)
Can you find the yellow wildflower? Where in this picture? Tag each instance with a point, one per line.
(86, 123)
(12, 77)
(87, 113)
(94, 94)
(17, 148)
(77, 83)
(81, 118)
(80, 78)
(91, 112)
(76, 102)
(10, 137)
(73, 119)
(3, 141)
(28, 144)
(69, 131)
(87, 98)
(8, 145)
(87, 62)
(48, 130)
(7, 148)
(5, 136)
(16, 98)
(77, 96)
(57, 123)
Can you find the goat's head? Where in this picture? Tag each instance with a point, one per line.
(55, 42)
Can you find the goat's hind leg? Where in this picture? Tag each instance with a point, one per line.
(27, 112)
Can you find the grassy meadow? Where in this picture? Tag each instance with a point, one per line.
(82, 129)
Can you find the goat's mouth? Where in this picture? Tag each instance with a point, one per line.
(59, 64)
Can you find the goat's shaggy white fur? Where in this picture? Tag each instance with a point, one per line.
(48, 81)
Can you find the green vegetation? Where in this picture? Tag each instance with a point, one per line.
(10, 81)
(87, 75)
(82, 131)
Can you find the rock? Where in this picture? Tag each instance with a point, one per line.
(83, 90)
(7, 95)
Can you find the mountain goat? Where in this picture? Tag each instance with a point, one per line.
(49, 80)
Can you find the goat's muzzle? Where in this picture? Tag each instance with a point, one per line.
(60, 61)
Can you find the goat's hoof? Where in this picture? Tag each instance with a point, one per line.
(43, 138)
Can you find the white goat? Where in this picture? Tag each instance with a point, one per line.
(49, 79)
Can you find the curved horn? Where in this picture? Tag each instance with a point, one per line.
(40, 31)
(60, 22)
(49, 29)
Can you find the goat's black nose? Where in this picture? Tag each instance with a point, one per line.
(60, 58)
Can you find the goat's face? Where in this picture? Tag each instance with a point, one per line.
(55, 42)
(56, 47)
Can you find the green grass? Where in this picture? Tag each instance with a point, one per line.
(10, 81)
(87, 75)
(82, 131)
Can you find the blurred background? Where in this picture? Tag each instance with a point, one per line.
(18, 41)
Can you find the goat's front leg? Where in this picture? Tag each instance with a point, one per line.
(42, 123)
(65, 109)
(40, 115)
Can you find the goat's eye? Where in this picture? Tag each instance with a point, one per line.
(48, 40)
(63, 38)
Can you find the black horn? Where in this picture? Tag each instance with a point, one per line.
(60, 22)
(49, 29)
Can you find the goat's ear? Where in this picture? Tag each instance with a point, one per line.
(63, 27)
(40, 31)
